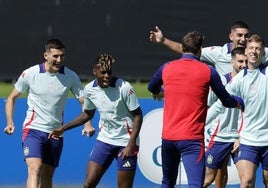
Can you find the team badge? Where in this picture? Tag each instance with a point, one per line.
(252, 89)
(51, 88)
(26, 151)
(210, 159)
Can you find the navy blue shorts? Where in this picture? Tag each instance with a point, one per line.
(104, 154)
(255, 154)
(36, 144)
(192, 153)
(217, 152)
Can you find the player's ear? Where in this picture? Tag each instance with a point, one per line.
(45, 55)
(230, 36)
(94, 71)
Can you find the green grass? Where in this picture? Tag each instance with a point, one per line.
(5, 89)
(141, 90)
(139, 87)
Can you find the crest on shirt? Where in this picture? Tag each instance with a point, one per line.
(252, 89)
(51, 87)
(26, 150)
(210, 159)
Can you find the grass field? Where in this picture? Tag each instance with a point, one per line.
(140, 89)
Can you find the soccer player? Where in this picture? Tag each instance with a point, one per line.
(47, 85)
(223, 127)
(219, 56)
(186, 84)
(252, 85)
(119, 125)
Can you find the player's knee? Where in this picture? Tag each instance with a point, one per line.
(207, 183)
(90, 183)
(209, 179)
(86, 185)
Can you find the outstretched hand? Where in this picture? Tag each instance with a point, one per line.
(157, 35)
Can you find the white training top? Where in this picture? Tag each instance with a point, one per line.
(252, 86)
(47, 95)
(223, 122)
(220, 57)
(114, 104)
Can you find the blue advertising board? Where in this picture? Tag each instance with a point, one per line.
(72, 168)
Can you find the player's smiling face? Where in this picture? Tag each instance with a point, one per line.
(54, 59)
(103, 76)
(239, 37)
(254, 52)
(239, 62)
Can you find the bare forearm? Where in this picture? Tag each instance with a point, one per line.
(78, 121)
(9, 109)
(174, 46)
(136, 129)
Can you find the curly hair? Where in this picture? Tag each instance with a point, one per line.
(105, 61)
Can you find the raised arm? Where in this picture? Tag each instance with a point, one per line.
(158, 37)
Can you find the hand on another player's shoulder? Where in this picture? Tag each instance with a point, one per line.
(241, 104)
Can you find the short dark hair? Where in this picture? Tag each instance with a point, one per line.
(54, 43)
(238, 50)
(239, 24)
(192, 42)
